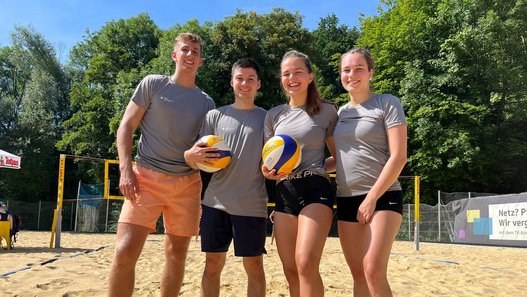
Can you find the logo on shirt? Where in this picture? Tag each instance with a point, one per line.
(166, 99)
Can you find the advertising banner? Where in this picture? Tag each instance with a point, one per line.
(492, 220)
(8, 160)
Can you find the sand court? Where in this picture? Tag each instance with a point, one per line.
(81, 267)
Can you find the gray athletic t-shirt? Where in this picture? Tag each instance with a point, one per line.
(310, 132)
(171, 123)
(361, 142)
(238, 189)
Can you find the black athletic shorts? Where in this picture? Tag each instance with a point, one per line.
(219, 228)
(347, 207)
(302, 189)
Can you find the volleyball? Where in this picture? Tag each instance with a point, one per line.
(282, 153)
(223, 149)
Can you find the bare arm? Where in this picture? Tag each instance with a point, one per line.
(331, 162)
(131, 119)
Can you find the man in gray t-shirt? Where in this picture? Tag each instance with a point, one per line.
(169, 110)
(234, 206)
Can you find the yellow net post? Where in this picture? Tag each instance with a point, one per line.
(107, 180)
(57, 214)
(417, 215)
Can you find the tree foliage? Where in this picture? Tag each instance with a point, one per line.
(265, 38)
(330, 41)
(458, 66)
(33, 101)
(98, 64)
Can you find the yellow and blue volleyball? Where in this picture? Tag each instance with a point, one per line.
(281, 153)
(223, 149)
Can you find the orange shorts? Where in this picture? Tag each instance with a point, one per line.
(178, 198)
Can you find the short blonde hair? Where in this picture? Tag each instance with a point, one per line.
(188, 37)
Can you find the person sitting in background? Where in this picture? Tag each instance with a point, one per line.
(4, 214)
(7, 216)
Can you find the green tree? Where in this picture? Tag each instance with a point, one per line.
(265, 38)
(34, 94)
(120, 47)
(330, 41)
(480, 71)
(400, 34)
(459, 68)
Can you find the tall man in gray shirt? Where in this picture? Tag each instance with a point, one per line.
(170, 110)
(235, 201)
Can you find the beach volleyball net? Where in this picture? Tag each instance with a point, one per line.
(459, 217)
(92, 212)
(95, 207)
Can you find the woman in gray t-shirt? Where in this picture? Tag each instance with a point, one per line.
(303, 211)
(370, 143)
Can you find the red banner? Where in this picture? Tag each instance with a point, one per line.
(8, 160)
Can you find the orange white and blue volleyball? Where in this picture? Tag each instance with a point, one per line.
(223, 149)
(281, 153)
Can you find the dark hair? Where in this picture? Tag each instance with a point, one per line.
(313, 101)
(359, 50)
(246, 63)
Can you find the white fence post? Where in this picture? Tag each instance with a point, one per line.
(439, 215)
(409, 223)
(107, 209)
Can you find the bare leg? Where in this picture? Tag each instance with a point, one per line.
(285, 234)
(354, 240)
(255, 275)
(384, 227)
(314, 223)
(210, 282)
(176, 248)
(130, 241)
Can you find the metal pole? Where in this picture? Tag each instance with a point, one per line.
(439, 215)
(71, 218)
(77, 208)
(107, 209)
(409, 222)
(58, 227)
(38, 216)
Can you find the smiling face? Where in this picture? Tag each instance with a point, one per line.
(295, 77)
(187, 55)
(245, 83)
(355, 74)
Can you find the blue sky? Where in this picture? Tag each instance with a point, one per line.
(64, 22)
